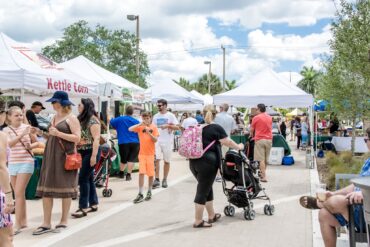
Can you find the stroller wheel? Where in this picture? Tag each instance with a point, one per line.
(249, 214)
(109, 193)
(229, 211)
(104, 192)
(269, 209)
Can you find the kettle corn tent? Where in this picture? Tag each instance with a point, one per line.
(28, 74)
(269, 88)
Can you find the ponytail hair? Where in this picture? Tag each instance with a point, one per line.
(209, 112)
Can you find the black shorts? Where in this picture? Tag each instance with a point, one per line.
(129, 152)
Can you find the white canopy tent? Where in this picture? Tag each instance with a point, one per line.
(26, 73)
(111, 84)
(193, 107)
(173, 93)
(265, 87)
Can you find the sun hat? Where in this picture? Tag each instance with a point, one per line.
(61, 97)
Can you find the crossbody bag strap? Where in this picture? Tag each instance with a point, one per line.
(60, 141)
(22, 142)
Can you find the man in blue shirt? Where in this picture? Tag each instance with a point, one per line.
(199, 117)
(128, 141)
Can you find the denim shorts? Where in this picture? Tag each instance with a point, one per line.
(356, 216)
(15, 169)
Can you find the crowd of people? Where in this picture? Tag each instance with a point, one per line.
(147, 142)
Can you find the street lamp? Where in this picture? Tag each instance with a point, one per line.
(133, 18)
(209, 76)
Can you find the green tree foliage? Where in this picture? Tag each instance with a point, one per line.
(309, 81)
(184, 83)
(229, 85)
(114, 50)
(346, 81)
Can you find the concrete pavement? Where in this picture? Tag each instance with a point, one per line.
(167, 219)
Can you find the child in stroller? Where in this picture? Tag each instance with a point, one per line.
(107, 154)
(244, 175)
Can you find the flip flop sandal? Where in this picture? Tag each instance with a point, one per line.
(215, 218)
(41, 230)
(16, 232)
(311, 202)
(202, 224)
(79, 213)
(59, 228)
(92, 209)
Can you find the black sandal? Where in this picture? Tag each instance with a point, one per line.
(79, 213)
(92, 209)
(41, 230)
(214, 219)
(202, 224)
(311, 202)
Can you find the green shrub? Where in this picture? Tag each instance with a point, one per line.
(345, 162)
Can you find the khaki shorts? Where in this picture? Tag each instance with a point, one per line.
(163, 152)
(262, 150)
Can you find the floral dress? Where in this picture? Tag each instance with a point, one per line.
(5, 219)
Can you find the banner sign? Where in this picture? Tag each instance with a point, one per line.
(64, 85)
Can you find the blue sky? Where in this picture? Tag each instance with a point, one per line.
(281, 34)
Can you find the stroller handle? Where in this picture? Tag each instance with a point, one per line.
(243, 155)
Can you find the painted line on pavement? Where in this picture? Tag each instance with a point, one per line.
(104, 215)
(148, 233)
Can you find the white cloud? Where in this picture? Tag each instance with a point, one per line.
(288, 47)
(168, 27)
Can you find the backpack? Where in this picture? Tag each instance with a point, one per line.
(191, 144)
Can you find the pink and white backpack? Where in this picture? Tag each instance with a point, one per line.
(191, 144)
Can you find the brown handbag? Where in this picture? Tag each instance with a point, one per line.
(73, 161)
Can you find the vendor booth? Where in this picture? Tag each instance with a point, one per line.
(29, 75)
(268, 87)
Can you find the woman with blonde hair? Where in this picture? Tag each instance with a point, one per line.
(20, 162)
(6, 197)
(205, 168)
(55, 181)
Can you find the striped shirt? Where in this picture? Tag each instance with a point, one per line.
(18, 153)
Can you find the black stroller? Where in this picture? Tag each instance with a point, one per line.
(107, 155)
(244, 175)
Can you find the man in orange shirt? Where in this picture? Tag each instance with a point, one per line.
(148, 134)
(261, 131)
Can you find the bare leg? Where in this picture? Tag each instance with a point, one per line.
(6, 238)
(141, 181)
(130, 166)
(210, 210)
(122, 167)
(166, 169)
(328, 223)
(66, 205)
(157, 168)
(150, 183)
(199, 209)
(47, 204)
(20, 200)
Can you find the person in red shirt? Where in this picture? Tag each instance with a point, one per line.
(261, 131)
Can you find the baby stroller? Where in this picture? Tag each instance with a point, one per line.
(249, 149)
(107, 154)
(244, 175)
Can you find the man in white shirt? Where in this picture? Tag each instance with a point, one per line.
(228, 123)
(189, 121)
(166, 123)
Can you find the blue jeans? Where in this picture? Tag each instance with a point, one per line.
(88, 196)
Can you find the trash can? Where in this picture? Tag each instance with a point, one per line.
(364, 184)
(34, 180)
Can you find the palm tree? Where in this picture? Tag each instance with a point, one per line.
(202, 84)
(310, 80)
(184, 83)
(230, 85)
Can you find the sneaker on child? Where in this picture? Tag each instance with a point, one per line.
(139, 198)
(148, 196)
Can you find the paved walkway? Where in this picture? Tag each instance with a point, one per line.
(167, 219)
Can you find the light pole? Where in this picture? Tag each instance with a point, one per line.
(133, 18)
(223, 67)
(209, 76)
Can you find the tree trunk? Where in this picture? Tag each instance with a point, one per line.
(353, 134)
